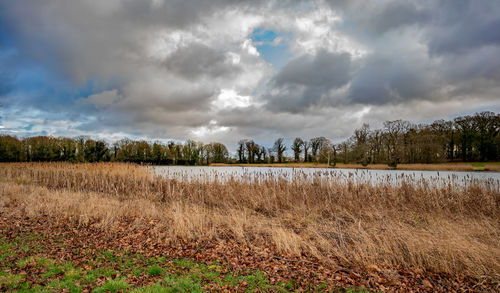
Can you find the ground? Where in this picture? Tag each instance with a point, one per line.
(110, 227)
(34, 259)
(45, 256)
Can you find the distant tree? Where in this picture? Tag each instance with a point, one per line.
(307, 146)
(328, 153)
(10, 149)
(297, 148)
(252, 150)
(259, 152)
(393, 132)
(474, 137)
(68, 150)
(191, 152)
(279, 148)
(96, 151)
(316, 145)
(271, 158)
(375, 145)
(218, 152)
(345, 153)
(466, 136)
(241, 151)
(264, 154)
(487, 126)
(157, 153)
(361, 150)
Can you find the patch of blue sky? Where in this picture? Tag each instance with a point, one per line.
(26, 81)
(273, 46)
(32, 84)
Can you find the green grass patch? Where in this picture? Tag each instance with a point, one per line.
(11, 281)
(114, 285)
(478, 166)
(117, 271)
(155, 270)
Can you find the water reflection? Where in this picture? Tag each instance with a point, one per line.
(207, 173)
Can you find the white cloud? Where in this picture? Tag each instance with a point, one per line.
(229, 98)
(208, 132)
(178, 69)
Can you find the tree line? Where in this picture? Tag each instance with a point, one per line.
(85, 149)
(465, 138)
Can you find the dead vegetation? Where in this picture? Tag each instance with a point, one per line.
(451, 228)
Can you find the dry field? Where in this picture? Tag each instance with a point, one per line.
(412, 226)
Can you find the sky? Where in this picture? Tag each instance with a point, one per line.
(225, 70)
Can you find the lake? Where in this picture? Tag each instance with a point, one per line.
(358, 175)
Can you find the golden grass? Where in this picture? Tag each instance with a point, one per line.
(450, 228)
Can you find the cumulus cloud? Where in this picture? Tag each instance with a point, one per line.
(305, 80)
(197, 61)
(190, 69)
(383, 79)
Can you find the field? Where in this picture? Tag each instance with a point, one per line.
(474, 166)
(112, 227)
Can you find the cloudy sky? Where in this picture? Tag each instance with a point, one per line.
(224, 70)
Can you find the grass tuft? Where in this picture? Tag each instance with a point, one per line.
(154, 271)
(114, 285)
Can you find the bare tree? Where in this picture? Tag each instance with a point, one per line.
(307, 146)
(251, 150)
(361, 149)
(297, 148)
(271, 157)
(263, 153)
(279, 148)
(241, 150)
(316, 145)
(393, 133)
(216, 153)
(328, 152)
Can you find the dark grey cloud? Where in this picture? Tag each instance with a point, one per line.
(416, 51)
(398, 14)
(82, 40)
(448, 26)
(480, 64)
(392, 79)
(198, 60)
(305, 80)
(462, 25)
(324, 69)
(373, 17)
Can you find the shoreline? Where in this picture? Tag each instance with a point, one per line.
(466, 167)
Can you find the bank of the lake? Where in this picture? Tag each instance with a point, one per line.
(469, 166)
(332, 175)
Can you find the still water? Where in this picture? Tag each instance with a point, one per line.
(205, 173)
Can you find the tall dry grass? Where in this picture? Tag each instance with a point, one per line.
(453, 228)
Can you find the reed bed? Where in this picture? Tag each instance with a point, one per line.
(411, 224)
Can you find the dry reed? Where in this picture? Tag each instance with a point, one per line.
(452, 228)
